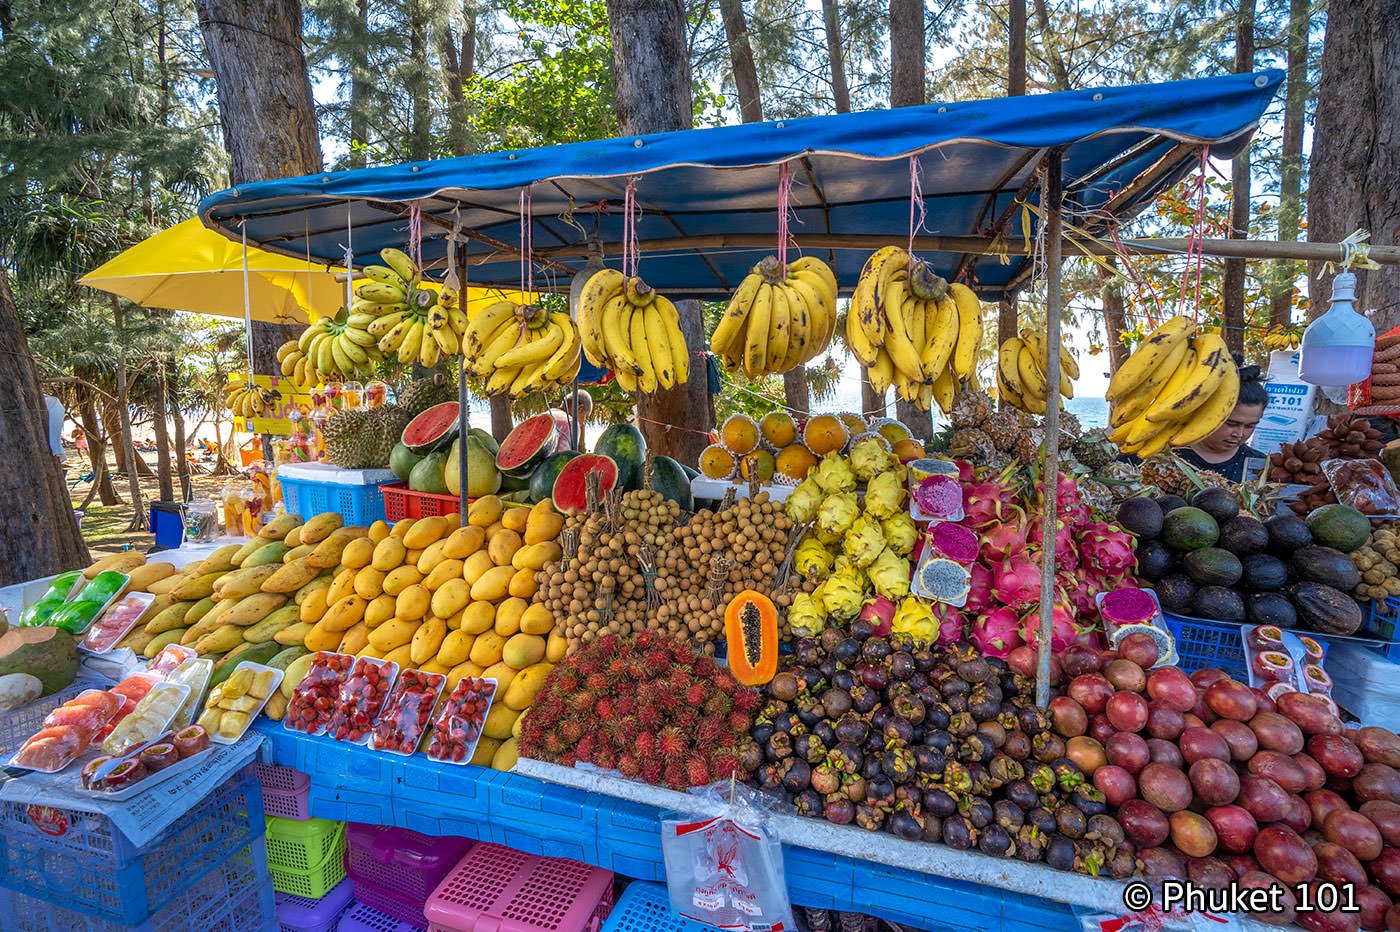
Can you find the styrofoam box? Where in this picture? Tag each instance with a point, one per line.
(1365, 683)
(325, 472)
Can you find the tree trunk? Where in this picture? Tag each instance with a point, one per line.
(40, 533)
(97, 452)
(501, 421)
(133, 460)
(1285, 272)
(736, 31)
(1356, 149)
(359, 87)
(1114, 319)
(1007, 325)
(797, 394)
(420, 131)
(907, 53)
(652, 74)
(1058, 68)
(872, 403)
(458, 65)
(159, 403)
(831, 22)
(1232, 288)
(182, 460)
(1015, 87)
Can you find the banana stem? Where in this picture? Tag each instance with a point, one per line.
(772, 270)
(639, 293)
(924, 283)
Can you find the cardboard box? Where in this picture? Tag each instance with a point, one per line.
(1289, 414)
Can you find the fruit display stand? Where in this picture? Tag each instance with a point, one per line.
(615, 824)
(312, 488)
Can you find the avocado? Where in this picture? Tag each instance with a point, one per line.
(1189, 528)
(1286, 534)
(1243, 535)
(1154, 560)
(1263, 572)
(1325, 565)
(1270, 608)
(1212, 566)
(1218, 603)
(1169, 502)
(1339, 526)
(1141, 516)
(1175, 592)
(1220, 504)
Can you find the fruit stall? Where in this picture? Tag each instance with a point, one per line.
(986, 680)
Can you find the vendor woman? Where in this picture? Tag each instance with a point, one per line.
(1225, 450)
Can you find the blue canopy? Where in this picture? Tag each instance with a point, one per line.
(709, 196)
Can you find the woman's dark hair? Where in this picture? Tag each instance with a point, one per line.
(1252, 391)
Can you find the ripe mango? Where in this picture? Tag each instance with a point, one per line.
(507, 755)
(499, 722)
(493, 585)
(515, 517)
(369, 582)
(394, 633)
(400, 579)
(424, 532)
(487, 648)
(521, 693)
(544, 523)
(478, 617)
(344, 613)
(401, 527)
(378, 531)
(451, 597)
(388, 554)
(456, 648)
(444, 571)
(354, 639)
(380, 610)
(427, 640)
(523, 583)
(537, 619)
(502, 546)
(485, 511)
(475, 566)
(413, 602)
(508, 615)
(291, 576)
(432, 556)
(556, 648)
(522, 650)
(320, 527)
(463, 542)
(536, 556)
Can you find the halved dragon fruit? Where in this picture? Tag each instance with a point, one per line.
(944, 581)
(954, 542)
(939, 496)
(1128, 606)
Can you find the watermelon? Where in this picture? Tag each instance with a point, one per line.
(625, 445)
(531, 442)
(542, 480)
(433, 430)
(670, 479)
(570, 491)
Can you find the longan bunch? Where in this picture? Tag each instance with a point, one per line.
(649, 516)
(1379, 563)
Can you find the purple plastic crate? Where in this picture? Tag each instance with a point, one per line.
(282, 779)
(376, 898)
(299, 914)
(362, 918)
(401, 866)
(287, 805)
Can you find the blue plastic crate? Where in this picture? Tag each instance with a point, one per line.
(91, 867)
(924, 901)
(646, 907)
(236, 896)
(542, 818)
(818, 879)
(358, 504)
(629, 839)
(1383, 621)
(1201, 644)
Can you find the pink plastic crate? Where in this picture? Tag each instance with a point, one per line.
(282, 779)
(287, 805)
(496, 888)
(396, 870)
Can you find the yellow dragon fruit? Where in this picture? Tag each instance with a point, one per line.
(834, 474)
(838, 512)
(900, 533)
(811, 558)
(889, 574)
(801, 506)
(864, 542)
(915, 618)
(884, 496)
(807, 615)
(843, 593)
(870, 455)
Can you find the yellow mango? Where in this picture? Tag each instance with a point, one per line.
(445, 570)
(297, 553)
(508, 615)
(143, 576)
(537, 619)
(523, 650)
(432, 556)
(329, 551)
(378, 531)
(380, 610)
(358, 553)
(454, 521)
(314, 607)
(401, 527)
(432, 666)
(427, 639)
(458, 672)
(535, 556)
(523, 583)
(253, 608)
(369, 650)
(502, 546)
(492, 529)
(296, 672)
(485, 511)
(475, 566)
(456, 648)
(454, 621)
(525, 686)
(485, 750)
(293, 538)
(451, 597)
(393, 633)
(341, 586)
(413, 602)
(293, 635)
(219, 561)
(344, 613)
(320, 527)
(503, 673)
(493, 584)
(499, 722)
(544, 523)
(507, 755)
(369, 582)
(388, 554)
(515, 517)
(322, 638)
(487, 648)
(320, 584)
(424, 532)
(401, 655)
(400, 579)
(411, 557)
(291, 576)
(354, 639)
(463, 542)
(478, 617)
(556, 648)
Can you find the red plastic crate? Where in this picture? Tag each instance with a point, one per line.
(498, 889)
(402, 502)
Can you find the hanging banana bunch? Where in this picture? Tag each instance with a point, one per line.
(1021, 372)
(627, 327)
(1176, 388)
(912, 329)
(521, 348)
(777, 319)
(247, 400)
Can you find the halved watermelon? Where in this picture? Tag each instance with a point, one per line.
(432, 430)
(571, 488)
(531, 442)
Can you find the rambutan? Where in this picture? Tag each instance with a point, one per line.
(566, 760)
(582, 702)
(675, 777)
(726, 764)
(617, 668)
(634, 670)
(649, 717)
(697, 772)
(566, 681)
(626, 706)
(705, 666)
(723, 681)
(739, 723)
(597, 683)
(682, 653)
(747, 700)
(657, 659)
(554, 744)
(571, 729)
(587, 662)
(585, 748)
(608, 645)
(695, 695)
(623, 732)
(644, 744)
(605, 757)
(605, 708)
(671, 743)
(653, 771)
(628, 766)
(710, 731)
(717, 703)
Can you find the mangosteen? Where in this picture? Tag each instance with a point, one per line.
(1008, 815)
(871, 768)
(788, 722)
(1033, 720)
(847, 652)
(935, 715)
(879, 790)
(960, 725)
(908, 795)
(873, 675)
(978, 811)
(1041, 778)
(956, 778)
(810, 748)
(771, 710)
(929, 761)
(778, 746)
(924, 659)
(809, 713)
(976, 748)
(898, 765)
(809, 803)
(1122, 865)
(830, 638)
(952, 686)
(880, 716)
(846, 757)
(994, 732)
(898, 729)
(862, 629)
(957, 833)
(1067, 773)
(1059, 853)
(917, 681)
(939, 802)
(806, 652)
(825, 779)
(901, 642)
(1089, 800)
(752, 757)
(1030, 845)
(864, 699)
(901, 665)
(940, 740)
(876, 650)
(839, 810)
(896, 691)
(826, 732)
(842, 679)
(762, 732)
(1103, 827)
(770, 777)
(957, 703)
(933, 828)
(1004, 770)
(851, 728)
(797, 775)
(813, 679)
(977, 774)
(854, 787)
(1047, 746)
(973, 671)
(1017, 746)
(1022, 794)
(1070, 822)
(996, 841)
(1041, 819)
(783, 686)
(902, 824)
(870, 817)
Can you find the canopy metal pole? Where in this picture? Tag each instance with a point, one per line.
(1051, 195)
(464, 418)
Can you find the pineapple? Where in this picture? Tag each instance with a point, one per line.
(1069, 426)
(1028, 444)
(1095, 450)
(1003, 428)
(1166, 475)
(972, 445)
(1097, 496)
(971, 409)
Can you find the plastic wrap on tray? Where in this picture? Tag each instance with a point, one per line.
(458, 725)
(408, 712)
(169, 659)
(67, 731)
(116, 622)
(190, 740)
(195, 674)
(234, 703)
(150, 718)
(1363, 484)
(361, 698)
(311, 703)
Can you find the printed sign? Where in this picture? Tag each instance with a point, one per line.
(1289, 413)
(280, 424)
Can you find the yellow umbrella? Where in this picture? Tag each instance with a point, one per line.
(189, 267)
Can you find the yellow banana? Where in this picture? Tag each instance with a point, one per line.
(799, 336)
(969, 328)
(813, 265)
(401, 264)
(486, 322)
(756, 337)
(446, 339)
(412, 340)
(680, 353)
(457, 320)
(942, 336)
(286, 349)
(540, 345)
(636, 329)
(325, 357)
(897, 342)
(779, 329)
(810, 291)
(358, 337)
(567, 353)
(1148, 357)
(616, 339)
(658, 345)
(945, 387)
(382, 325)
(881, 374)
(1008, 369)
(1212, 362)
(427, 348)
(386, 275)
(506, 336)
(915, 322)
(1007, 394)
(381, 293)
(393, 338)
(731, 324)
(882, 267)
(1146, 392)
(1209, 416)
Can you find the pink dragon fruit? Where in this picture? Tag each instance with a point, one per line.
(1062, 629)
(1107, 548)
(952, 624)
(1079, 592)
(1017, 581)
(966, 471)
(1004, 538)
(1066, 553)
(990, 501)
(979, 593)
(1128, 606)
(997, 633)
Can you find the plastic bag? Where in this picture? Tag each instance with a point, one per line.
(726, 870)
(1365, 485)
(1154, 919)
